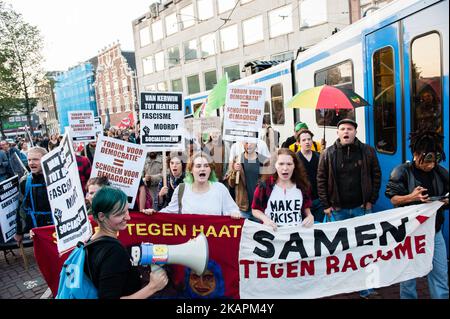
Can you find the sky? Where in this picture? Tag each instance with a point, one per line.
(75, 30)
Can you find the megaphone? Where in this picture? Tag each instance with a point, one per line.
(193, 254)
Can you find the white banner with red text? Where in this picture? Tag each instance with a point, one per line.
(371, 251)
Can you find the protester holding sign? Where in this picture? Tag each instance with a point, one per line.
(284, 197)
(201, 193)
(34, 207)
(249, 165)
(424, 180)
(177, 166)
(109, 261)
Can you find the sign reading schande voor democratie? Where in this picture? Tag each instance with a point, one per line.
(66, 196)
(122, 162)
(9, 202)
(82, 126)
(162, 121)
(371, 251)
(243, 114)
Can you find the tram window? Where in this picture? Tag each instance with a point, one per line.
(266, 119)
(339, 75)
(384, 101)
(276, 93)
(426, 83)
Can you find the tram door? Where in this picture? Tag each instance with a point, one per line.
(407, 76)
(386, 129)
(425, 52)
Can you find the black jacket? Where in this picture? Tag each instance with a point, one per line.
(327, 186)
(402, 182)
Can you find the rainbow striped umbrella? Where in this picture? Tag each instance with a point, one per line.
(326, 97)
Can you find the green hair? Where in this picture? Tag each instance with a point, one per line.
(109, 201)
(189, 179)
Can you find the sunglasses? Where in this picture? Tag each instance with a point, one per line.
(432, 157)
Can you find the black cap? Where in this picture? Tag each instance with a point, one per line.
(348, 121)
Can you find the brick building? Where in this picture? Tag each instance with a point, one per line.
(115, 84)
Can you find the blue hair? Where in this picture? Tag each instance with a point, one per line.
(218, 292)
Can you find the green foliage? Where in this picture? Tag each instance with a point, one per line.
(20, 61)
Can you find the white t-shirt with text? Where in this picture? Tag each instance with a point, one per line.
(285, 206)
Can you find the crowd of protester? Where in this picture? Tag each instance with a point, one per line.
(244, 180)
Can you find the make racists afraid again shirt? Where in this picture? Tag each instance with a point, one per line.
(284, 206)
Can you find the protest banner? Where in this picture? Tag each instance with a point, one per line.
(9, 202)
(195, 127)
(122, 162)
(82, 126)
(370, 251)
(98, 125)
(65, 195)
(222, 233)
(375, 250)
(243, 113)
(162, 121)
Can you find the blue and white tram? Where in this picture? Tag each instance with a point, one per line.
(390, 58)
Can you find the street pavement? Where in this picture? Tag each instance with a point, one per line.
(18, 283)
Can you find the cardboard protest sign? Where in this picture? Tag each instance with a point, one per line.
(9, 202)
(243, 114)
(162, 121)
(371, 251)
(98, 125)
(195, 127)
(82, 126)
(66, 195)
(122, 162)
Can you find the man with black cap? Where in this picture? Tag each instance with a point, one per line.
(349, 178)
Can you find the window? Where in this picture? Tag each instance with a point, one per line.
(340, 75)
(177, 85)
(174, 56)
(253, 30)
(162, 86)
(190, 50)
(157, 30)
(312, 12)
(280, 21)
(229, 38)
(187, 17)
(159, 61)
(171, 24)
(283, 56)
(233, 71)
(208, 44)
(147, 65)
(276, 94)
(426, 83)
(151, 87)
(210, 79)
(384, 100)
(144, 36)
(205, 9)
(225, 5)
(193, 83)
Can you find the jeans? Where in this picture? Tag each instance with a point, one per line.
(437, 278)
(249, 215)
(317, 210)
(346, 213)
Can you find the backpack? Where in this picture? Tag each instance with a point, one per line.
(74, 283)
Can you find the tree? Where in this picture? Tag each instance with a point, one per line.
(21, 45)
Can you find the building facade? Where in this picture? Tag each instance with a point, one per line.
(74, 91)
(115, 84)
(46, 104)
(187, 45)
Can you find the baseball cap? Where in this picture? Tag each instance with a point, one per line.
(348, 121)
(300, 125)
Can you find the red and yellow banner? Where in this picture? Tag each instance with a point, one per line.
(223, 234)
